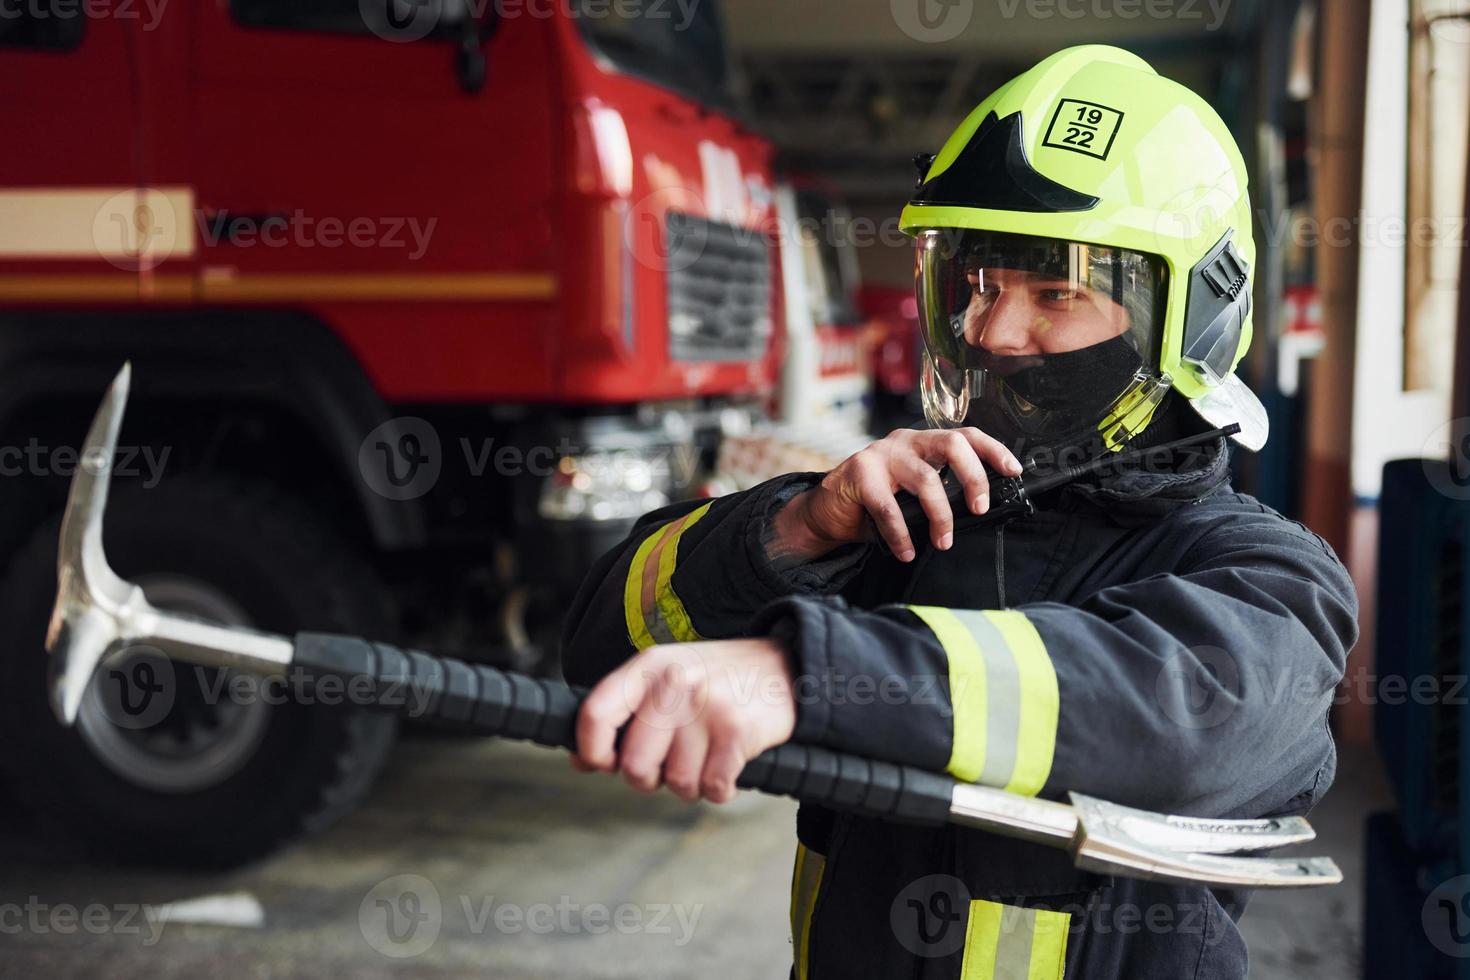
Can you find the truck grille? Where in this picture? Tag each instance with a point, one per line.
(719, 290)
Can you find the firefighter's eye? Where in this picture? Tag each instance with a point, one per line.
(1059, 296)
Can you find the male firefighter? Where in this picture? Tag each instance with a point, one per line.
(1148, 636)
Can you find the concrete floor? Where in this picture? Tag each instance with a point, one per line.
(496, 860)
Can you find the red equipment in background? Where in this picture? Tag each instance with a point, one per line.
(426, 310)
(893, 313)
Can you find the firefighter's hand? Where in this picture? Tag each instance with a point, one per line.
(696, 714)
(835, 513)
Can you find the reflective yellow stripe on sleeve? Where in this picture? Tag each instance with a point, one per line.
(1005, 942)
(651, 607)
(1003, 690)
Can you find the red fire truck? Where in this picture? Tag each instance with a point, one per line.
(426, 301)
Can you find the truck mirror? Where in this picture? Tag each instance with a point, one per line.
(471, 63)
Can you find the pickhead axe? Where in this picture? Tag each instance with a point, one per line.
(99, 614)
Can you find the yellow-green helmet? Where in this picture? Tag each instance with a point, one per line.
(1092, 173)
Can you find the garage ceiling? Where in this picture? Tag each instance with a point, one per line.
(1024, 29)
(851, 89)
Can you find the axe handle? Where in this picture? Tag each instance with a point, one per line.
(484, 701)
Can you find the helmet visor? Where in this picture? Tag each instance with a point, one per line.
(1035, 340)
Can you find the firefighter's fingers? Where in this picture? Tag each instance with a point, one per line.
(723, 763)
(923, 481)
(954, 447)
(609, 706)
(685, 762)
(877, 498)
(641, 756)
(992, 451)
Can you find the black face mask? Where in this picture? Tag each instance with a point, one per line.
(1029, 401)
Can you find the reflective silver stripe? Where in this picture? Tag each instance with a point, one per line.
(1013, 945)
(1007, 942)
(1004, 692)
(1003, 698)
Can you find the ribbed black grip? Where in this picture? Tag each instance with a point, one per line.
(450, 692)
(487, 701)
(850, 782)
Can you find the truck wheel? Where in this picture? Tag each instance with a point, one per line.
(171, 764)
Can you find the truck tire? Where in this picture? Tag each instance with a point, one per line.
(203, 772)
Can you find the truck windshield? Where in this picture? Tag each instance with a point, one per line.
(679, 45)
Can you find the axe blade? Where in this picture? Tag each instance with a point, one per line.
(1113, 839)
(98, 613)
(77, 637)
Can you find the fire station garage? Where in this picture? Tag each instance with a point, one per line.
(748, 488)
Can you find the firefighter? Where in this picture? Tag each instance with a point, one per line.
(1148, 636)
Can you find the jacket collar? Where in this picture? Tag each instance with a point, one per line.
(1154, 487)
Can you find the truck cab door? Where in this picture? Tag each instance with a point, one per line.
(344, 168)
(90, 211)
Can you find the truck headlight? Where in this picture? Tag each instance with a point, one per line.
(607, 486)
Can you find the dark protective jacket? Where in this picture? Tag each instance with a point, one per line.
(1150, 638)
